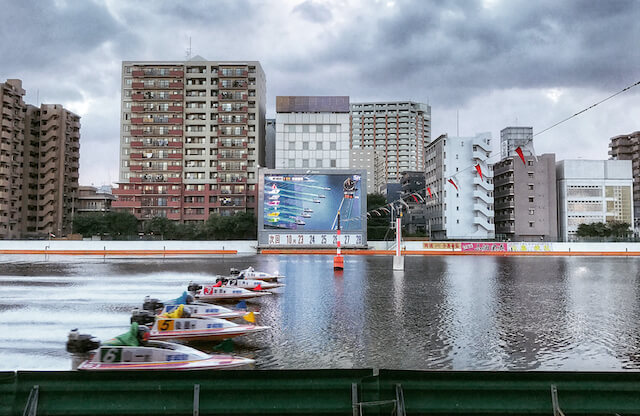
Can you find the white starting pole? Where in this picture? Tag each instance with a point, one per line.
(398, 259)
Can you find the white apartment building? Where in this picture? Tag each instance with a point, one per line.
(372, 161)
(312, 132)
(593, 191)
(398, 130)
(466, 213)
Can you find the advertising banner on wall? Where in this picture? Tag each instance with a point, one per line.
(300, 207)
(530, 246)
(484, 246)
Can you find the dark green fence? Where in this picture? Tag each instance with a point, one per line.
(318, 392)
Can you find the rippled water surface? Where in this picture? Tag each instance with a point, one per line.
(460, 313)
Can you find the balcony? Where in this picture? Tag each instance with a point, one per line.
(176, 144)
(126, 204)
(175, 155)
(137, 85)
(136, 156)
(232, 97)
(135, 168)
(176, 84)
(175, 120)
(137, 97)
(232, 73)
(137, 108)
(176, 97)
(242, 109)
(241, 120)
(137, 143)
(234, 133)
(175, 133)
(137, 73)
(176, 168)
(176, 108)
(136, 120)
(137, 132)
(176, 73)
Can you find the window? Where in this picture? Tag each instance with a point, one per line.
(318, 145)
(333, 163)
(305, 145)
(529, 162)
(305, 163)
(457, 221)
(530, 199)
(332, 146)
(530, 175)
(531, 224)
(305, 128)
(292, 145)
(530, 186)
(292, 163)
(291, 128)
(531, 211)
(318, 163)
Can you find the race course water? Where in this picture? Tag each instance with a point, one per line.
(451, 312)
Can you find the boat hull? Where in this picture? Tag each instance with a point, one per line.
(213, 334)
(213, 363)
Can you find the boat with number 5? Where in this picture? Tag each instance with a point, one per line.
(129, 352)
(180, 325)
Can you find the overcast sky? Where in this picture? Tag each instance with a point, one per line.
(497, 62)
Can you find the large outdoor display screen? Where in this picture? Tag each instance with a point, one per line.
(301, 208)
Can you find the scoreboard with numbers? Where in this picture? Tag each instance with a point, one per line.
(346, 240)
(299, 208)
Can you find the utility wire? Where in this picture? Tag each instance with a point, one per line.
(528, 141)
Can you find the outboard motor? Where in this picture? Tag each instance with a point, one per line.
(80, 345)
(152, 304)
(143, 317)
(193, 287)
(234, 272)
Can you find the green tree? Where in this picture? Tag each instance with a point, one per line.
(89, 224)
(161, 226)
(121, 224)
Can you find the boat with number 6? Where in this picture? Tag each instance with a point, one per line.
(128, 352)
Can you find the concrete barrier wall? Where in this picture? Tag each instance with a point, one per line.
(121, 247)
(186, 248)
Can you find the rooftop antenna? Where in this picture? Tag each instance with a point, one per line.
(38, 97)
(188, 54)
(457, 123)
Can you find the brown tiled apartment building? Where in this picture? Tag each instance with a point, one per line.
(191, 138)
(39, 160)
(627, 147)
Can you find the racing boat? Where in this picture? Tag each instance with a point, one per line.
(250, 273)
(218, 292)
(131, 351)
(197, 309)
(180, 325)
(249, 284)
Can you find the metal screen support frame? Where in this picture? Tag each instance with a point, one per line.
(354, 399)
(400, 401)
(196, 399)
(554, 401)
(31, 408)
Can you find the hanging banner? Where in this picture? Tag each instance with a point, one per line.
(441, 246)
(484, 246)
(542, 246)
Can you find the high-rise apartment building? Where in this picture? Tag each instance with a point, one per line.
(399, 130)
(593, 191)
(513, 137)
(39, 160)
(373, 162)
(466, 212)
(525, 198)
(191, 138)
(414, 219)
(627, 147)
(312, 132)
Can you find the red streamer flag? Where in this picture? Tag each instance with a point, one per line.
(453, 183)
(519, 152)
(414, 197)
(479, 170)
(429, 189)
(218, 284)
